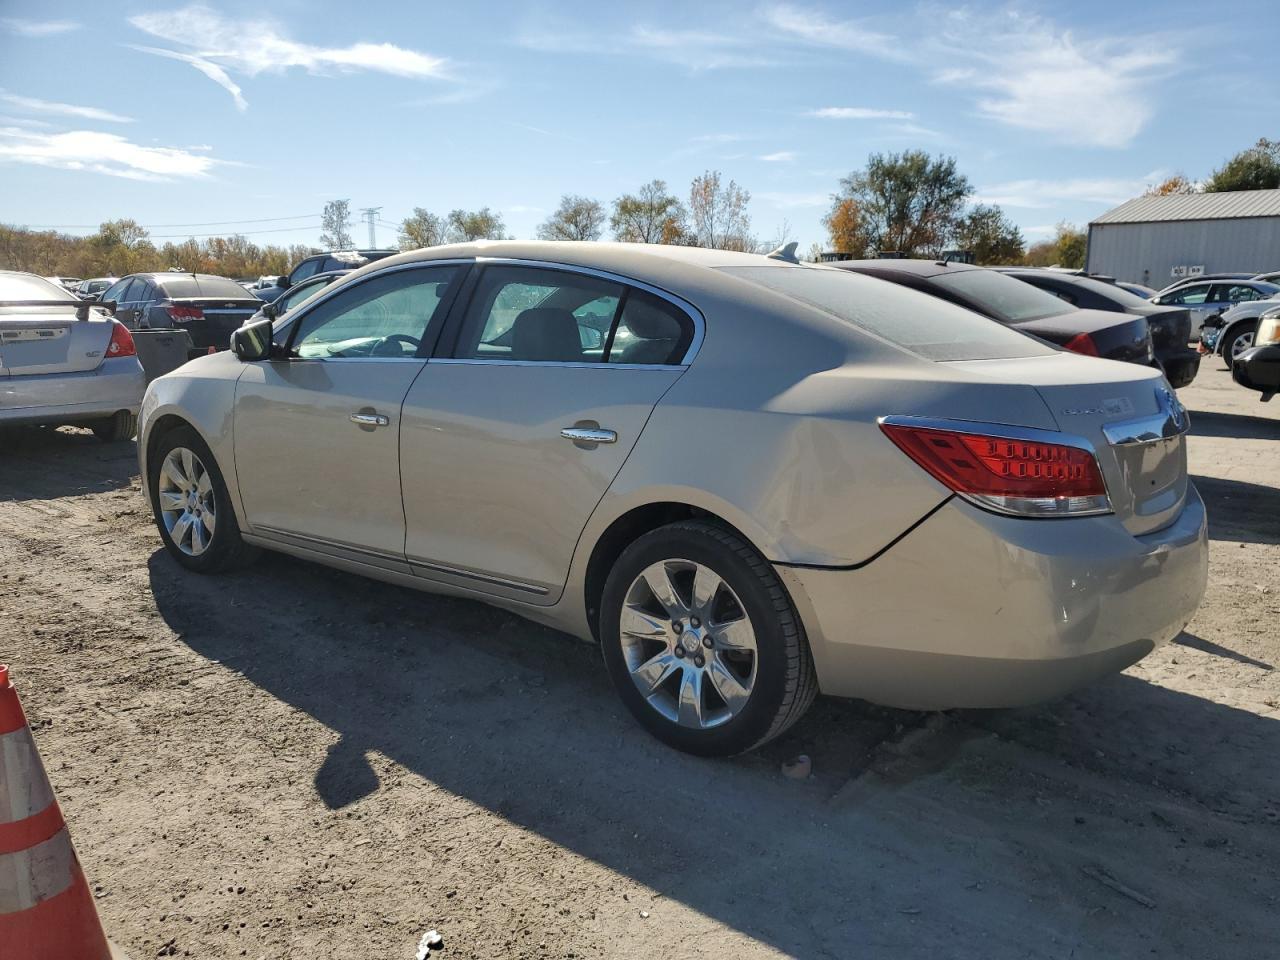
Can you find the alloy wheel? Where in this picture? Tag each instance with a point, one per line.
(187, 504)
(1241, 343)
(688, 643)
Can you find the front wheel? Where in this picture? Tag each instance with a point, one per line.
(702, 642)
(1240, 340)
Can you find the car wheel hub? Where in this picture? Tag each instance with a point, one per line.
(1241, 344)
(188, 510)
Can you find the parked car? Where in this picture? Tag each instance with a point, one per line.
(1231, 333)
(1258, 368)
(1270, 277)
(1170, 326)
(93, 289)
(1095, 333)
(207, 307)
(1137, 289)
(303, 290)
(1201, 277)
(65, 362)
(790, 478)
(322, 263)
(67, 283)
(1210, 298)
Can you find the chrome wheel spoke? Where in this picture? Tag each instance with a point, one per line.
(188, 464)
(204, 486)
(735, 635)
(182, 528)
(727, 685)
(637, 623)
(171, 500)
(690, 703)
(654, 672)
(173, 470)
(659, 580)
(209, 518)
(199, 539)
(706, 584)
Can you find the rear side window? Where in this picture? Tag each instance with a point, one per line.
(918, 322)
(650, 330)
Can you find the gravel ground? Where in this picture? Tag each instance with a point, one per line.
(291, 762)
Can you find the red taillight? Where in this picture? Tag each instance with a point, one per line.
(184, 314)
(1082, 343)
(1017, 476)
(121, 344)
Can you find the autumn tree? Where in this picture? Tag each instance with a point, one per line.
(1171, 186)
(908, 202)
(989, 235)
(845, 228)
(650, 215)
(1065, 249)
(335, 221)
(1257, 168)
(718, 216)
(577, 218)
(465, 225)
(422, 228)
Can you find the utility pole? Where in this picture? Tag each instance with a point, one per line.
(369, 214)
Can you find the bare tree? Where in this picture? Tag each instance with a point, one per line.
(577, 218)
(651, 215)
(482, 224)
(718, 215)
(422, 228)
(336, 224)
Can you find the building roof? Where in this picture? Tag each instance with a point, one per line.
(1232, 205)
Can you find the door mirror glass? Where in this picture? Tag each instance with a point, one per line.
(252, 342)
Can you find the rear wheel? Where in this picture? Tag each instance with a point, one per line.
(1238, 341)
(192, 508)
(122, 426)
(702, 642)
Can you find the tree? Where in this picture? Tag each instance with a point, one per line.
(577, 218)
(718, 216)
(909, 202)
(482, 224)
(986, 233)
(421, 229)
(336, 224)
(1066, 249)
(845, 228)
(1257, 168)
(651, 215)
(1171, 186)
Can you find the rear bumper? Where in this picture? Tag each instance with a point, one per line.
(1180, 365)
(62, 398)
(977, 610)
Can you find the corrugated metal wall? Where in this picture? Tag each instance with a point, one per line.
(1147, 252)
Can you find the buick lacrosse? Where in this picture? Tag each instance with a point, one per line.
(748, 479)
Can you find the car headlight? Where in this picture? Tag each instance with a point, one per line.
(1268, 329)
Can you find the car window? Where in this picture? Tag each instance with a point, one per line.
(305, 269)
(304, 291)
(1190, 296)
(17, 286)
(923, 324)
(131, 288)
(1238, 293)
(1002, 296)
(650, 330)
(386, 316)
(536, 314)
(116, 290)
(143, 291)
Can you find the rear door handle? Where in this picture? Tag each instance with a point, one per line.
(370, 419)
(589, 435)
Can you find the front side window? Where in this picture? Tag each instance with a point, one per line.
(1238, 293)
(305, 269)
(116, 290)
(304, 291)
(1189, 296)
(385, 317)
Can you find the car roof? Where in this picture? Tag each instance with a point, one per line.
(918, 268)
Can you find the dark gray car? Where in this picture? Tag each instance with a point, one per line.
(207, 307)
(322, 263)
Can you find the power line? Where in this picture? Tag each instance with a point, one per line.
(160, 226)
(238, 233)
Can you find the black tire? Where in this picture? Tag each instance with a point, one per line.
(1240, 330)
(226, 550)
(785, 683)
(122, 426)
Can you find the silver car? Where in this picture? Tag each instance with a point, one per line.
(754, 481)
(1212, 298)
(64, 361)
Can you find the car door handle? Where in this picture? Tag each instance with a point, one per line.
(370, 419)
(589, 435)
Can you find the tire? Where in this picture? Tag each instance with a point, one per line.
(1240, 338)
(122, 426)
(778, 675)
(200, 546)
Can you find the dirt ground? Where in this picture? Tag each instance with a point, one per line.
(292, 762)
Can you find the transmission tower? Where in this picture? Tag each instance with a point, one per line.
(370, 214)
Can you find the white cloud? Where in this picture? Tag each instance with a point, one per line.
(106, 153)
(1037, 76)
(719, 138)
(809, 26)
(1039, 194)
(782, 156)
(38, 28)
(793, 201)
(36, 105)
(216, 44)
(859, 113)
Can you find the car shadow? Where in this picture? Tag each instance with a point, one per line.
(1233, 425)
(1239, 511)
(1217, 650)
(41, 463)
(522, 721)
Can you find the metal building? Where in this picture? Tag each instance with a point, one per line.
(1154, 240)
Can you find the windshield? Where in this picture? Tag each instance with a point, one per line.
(928, 327)
(189, 286)
(1010, 300)
(20, 286)
(1113, 292)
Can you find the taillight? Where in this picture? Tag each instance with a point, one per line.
(184, 314)
(121, 344)
(1082, 343)
(1018, 476)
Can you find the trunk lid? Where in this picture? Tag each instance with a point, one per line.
(1133, 420)
(220, 316)
(1117, 336)
(36, 341)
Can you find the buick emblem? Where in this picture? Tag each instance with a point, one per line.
(1173, 406)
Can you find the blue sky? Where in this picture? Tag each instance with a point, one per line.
(231, 111)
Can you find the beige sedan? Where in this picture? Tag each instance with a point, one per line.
(748, 479)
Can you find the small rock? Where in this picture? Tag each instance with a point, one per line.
(431, 940)
(644, 914)
(798, 768)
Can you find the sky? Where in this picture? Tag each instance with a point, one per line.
(234, 117)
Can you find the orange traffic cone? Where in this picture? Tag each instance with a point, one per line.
(46, 910)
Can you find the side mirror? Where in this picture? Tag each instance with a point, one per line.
(284, 283)
(252, 342)
(270, 310)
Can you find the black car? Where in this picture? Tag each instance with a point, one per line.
(1258, 368)
(207, 307)
(1095, 333)
(322, 263)
(1170, 326)
(304, 290)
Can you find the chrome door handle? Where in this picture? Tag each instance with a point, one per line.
(370, 419)
(589, 435)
